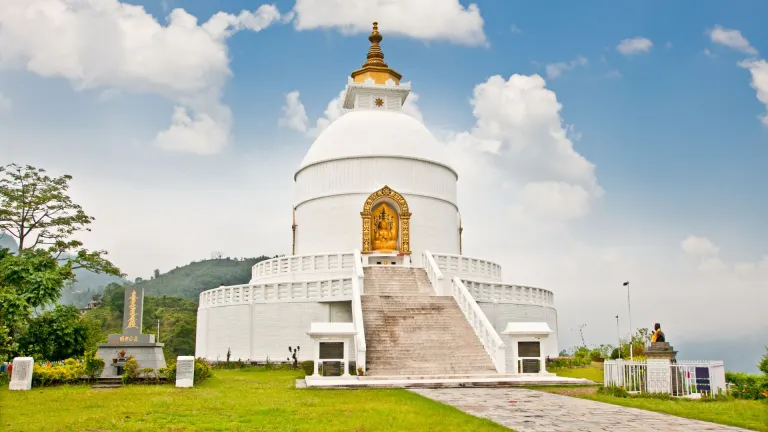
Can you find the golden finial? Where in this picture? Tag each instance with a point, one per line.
(375, 67)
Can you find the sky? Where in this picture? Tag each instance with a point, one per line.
(596, 142)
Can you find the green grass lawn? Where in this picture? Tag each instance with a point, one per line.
(749, 414)
(588, 372)
(249, 399)
(741, 413)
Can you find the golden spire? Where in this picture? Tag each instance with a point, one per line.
(375, 67)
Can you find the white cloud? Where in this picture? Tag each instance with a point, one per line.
(698, 246)
(515, 29)
(668, 44)
(520, 147)
(427, 20)
(613, 73)
(294, 115)
(759, 71)
(5, 104)
(554, 70)
(637, 45)
(120, 47)
(731, 38)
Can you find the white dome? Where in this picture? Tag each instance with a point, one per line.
(365, 133)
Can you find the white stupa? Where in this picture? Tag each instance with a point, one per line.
(377, 280)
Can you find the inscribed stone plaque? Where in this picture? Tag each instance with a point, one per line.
(659, 375)
(133, 310)
(21, 377)
(332, 368)
(185, 371)
(531, 366)
(528, 349)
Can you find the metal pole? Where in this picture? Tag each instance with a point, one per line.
(618, 334)
(629, 309)
(158, 330)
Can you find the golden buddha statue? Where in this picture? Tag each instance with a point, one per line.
(385, 229)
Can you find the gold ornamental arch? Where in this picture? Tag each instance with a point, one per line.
(386, 222)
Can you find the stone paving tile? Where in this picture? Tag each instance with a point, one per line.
(532, 411)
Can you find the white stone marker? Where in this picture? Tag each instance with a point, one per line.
(21, 378)
(185, 371)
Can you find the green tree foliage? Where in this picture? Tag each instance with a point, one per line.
(55, 335)
(36, 210)
(763, 365)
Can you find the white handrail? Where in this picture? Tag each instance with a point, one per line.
(357, 310)
(296, 264)
(465, 266)
(488, 336)
(433, 272)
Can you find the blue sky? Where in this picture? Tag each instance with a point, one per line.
(672, 193)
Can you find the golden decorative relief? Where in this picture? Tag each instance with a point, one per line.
(379, 102)
(132, 311)
(386, 229)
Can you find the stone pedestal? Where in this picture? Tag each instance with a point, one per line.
(21, 376)
(660, 356)
(149, 355)
(185, 371)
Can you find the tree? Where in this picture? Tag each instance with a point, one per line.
(55, 335)
(763, 365)
(36, 209)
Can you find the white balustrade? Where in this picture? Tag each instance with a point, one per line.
(463, 266)
(482, 291)
(434, 274)
(338, 289)
(357, 310)
(291, 265)
(488, 336)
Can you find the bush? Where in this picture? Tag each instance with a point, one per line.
(131, 370)
(308, 366)
(71, 372)
(5, 379)
(203, 370)
(612, 391)
(94, 366)
(763, 365)
(568, 362)
(747, 386)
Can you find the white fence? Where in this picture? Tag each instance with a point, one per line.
(685, 378)
(482, 291)
(285, 266)
(332, 289)
(462, 266)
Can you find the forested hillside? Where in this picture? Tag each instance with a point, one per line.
(192, 279)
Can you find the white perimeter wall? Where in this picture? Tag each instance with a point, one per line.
(502, 313)
(260, 330)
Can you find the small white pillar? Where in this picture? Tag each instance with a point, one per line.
(185, 371)
(317, 357)
(346, 358)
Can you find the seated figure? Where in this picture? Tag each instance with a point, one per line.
(658, 335)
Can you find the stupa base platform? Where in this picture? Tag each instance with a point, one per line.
(149, 355)
(441, 381)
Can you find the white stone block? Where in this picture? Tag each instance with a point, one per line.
(21, 379)
(185, 371)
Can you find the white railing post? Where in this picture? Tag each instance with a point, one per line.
(358, 278)
(434, 273)
(488, 336)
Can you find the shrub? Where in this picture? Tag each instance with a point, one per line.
(568, 362)
(203, 370)
(612, 391)
(168, 372)
(94, 366)
(763, 365)
(71, 372)
(131, 370)
(747, 386)
(308, 366)
(5, 379)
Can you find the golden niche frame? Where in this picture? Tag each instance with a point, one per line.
(404, 215)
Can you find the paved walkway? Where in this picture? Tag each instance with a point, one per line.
(532, 411)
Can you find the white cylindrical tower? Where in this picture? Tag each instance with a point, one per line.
(376, 179)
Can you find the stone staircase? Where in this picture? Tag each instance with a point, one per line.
(411, 331)
(108, 383)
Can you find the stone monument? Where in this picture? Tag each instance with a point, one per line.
(131, 342)
(21, 376)
(660, 356)
(185, 371)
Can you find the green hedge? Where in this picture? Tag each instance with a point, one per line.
(747, 386)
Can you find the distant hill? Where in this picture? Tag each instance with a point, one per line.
(190, 280)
